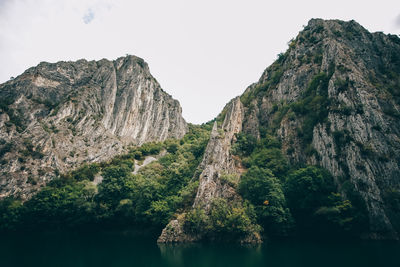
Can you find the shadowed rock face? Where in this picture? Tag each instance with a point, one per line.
(57, 116)
(333, 100)
(357, 136)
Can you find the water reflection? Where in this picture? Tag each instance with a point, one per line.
(116, 250)
(287, 253)
(211, 255)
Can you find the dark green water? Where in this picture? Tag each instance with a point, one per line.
(118, 250)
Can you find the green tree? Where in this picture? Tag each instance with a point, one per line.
(231, 221)
(307, 189)
(318, 207)
(225, 221)
(270, 158)
(264, 191)
(10, 214)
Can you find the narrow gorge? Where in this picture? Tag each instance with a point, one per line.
(312, 148)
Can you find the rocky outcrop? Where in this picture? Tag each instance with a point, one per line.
(55, 117)
(217, 161)
(174, 233)
(333, 100)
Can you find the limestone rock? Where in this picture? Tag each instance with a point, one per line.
(174, 233)
(217, 161)
(358, 140)
(58, 116)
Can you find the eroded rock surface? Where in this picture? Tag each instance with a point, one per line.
(54, 117)
(355, 74)
(217, 161)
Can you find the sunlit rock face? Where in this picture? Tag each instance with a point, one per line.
(54, 117)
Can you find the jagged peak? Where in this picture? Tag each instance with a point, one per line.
(333, 25)
(132, 60)
(347, 38)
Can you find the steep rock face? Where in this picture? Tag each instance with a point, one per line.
(333, 100)
(217, 161)
(55, 117)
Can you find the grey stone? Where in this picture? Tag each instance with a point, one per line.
(81, 112)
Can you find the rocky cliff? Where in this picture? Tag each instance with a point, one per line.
(55, 117)
(218, 159)
(217, 162)
(333, 100)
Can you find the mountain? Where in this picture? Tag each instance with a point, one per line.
(310, 150)
(55, 117)
(331, 100)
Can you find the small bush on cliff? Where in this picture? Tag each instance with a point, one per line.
(244, 145)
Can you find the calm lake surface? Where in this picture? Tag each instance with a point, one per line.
(123, 250)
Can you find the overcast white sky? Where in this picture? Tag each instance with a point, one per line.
(203, 52)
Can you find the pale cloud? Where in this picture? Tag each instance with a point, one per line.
(89, 16)
(202, 52)
(3, 5)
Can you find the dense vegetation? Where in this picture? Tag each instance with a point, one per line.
(289, 199)
(279, 198)
(148, 198)
(225, 221)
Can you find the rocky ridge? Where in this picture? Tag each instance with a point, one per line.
(332, 99)
(217, 161)
(55, 117)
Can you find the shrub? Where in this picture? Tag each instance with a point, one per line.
(314, 104)
(229, 179)
(5, 148)
(307, 189)
(244, 145)
(196, 221)
(270, 158)
(86, 172)
(230, 221)
(342, 85)
(317, 206)
(264, 191)
(10, 214)
(341, 139)
(151, 148)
